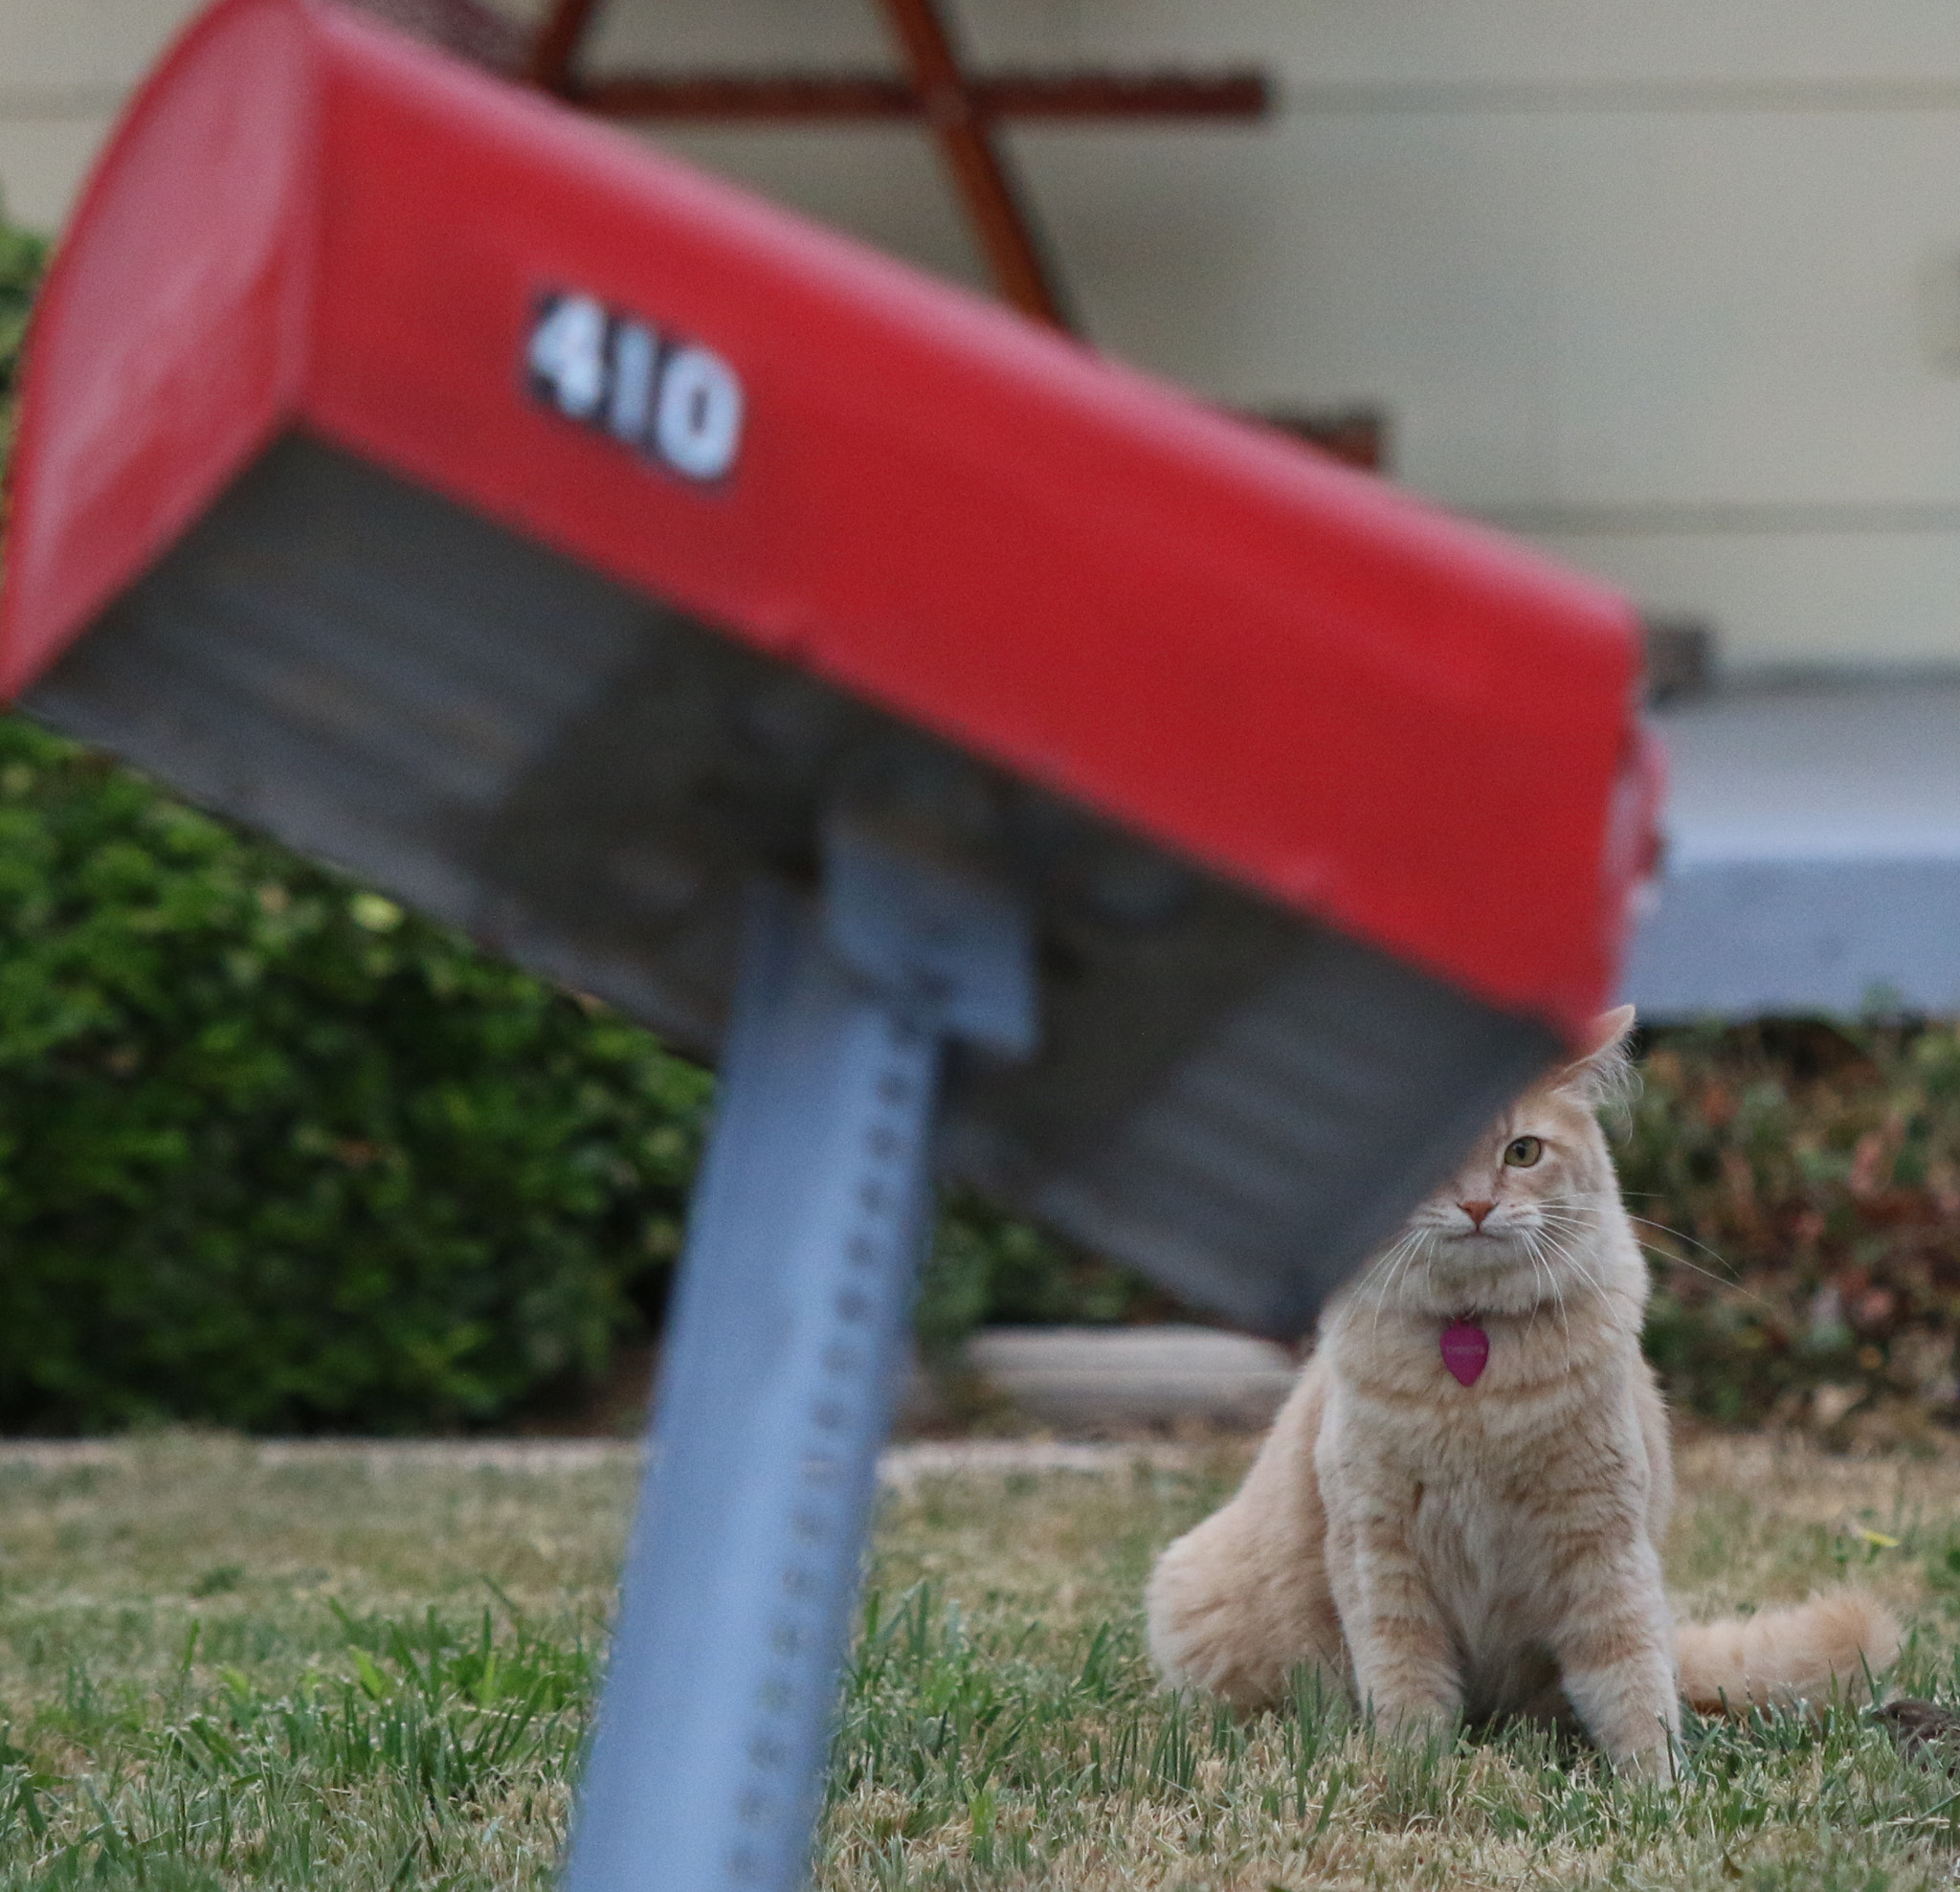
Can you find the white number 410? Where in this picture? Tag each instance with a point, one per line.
(675, 401)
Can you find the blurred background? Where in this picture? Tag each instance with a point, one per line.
(1672, 292)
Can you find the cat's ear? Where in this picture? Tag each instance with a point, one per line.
(1601, 1071)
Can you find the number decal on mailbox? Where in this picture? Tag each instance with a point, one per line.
(676, 402)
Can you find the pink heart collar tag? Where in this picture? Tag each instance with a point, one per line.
(1465, 1349)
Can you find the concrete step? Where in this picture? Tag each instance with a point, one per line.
(1813, 851)
(1091, 1377)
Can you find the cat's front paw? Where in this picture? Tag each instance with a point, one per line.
(1413, 1719)
(1655, 1762)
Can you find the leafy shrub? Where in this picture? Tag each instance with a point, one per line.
(276, 1154)
(1812, 1174)
(988, 1268)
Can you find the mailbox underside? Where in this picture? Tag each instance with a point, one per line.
(1234, 1100)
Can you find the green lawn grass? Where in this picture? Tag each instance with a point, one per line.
(224, 1666)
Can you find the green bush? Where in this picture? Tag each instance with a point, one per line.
(276, 1154)
(988, 1268)
(1810, 1175)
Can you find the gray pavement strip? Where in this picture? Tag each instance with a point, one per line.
(902, 1467)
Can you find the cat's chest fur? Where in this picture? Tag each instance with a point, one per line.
(1491, 1568)
(1471, 1465)
(1485, 1476)
(1395, 1400)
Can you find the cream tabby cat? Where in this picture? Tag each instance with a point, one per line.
(1459, 1510)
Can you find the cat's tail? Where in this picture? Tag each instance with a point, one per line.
(1826, 1650)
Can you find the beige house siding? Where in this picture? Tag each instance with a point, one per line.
(1673, 289)
(64, 68)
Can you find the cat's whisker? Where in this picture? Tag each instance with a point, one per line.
(1563, 1230)
(1538, 1300)
(1558, 1293)
(1570, 1221)
(1581, 1265)
(1679, 1235)
(1573, 1259)
(1556, 1215)
(1390, 1264)
(1564, 1314)
(1385, 1258)
(1419, 1250)
(1394, 1259)
(1675, 1260)
(1535, 1244)
(1567, 1221)
(1383, 1274)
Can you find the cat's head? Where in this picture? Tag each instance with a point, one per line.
(1517, 1224)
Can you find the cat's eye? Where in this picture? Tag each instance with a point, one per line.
(1521, 1152)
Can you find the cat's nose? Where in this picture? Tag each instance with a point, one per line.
(1477, 1211)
